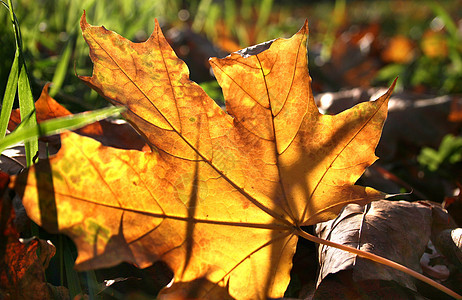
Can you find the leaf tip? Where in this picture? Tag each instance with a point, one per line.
(83, 21)
(305, 25)
(45, 89)
(157, 32)
(304, 30)
(390, 89)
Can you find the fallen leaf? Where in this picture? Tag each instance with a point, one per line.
(46, 108)
(109, 133)
(22, 262)
(114, 133)
(222, 195)
(433, 264)
(397, 230)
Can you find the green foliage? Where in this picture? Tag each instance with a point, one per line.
(18, 85)
(10, 94)
(449, 153)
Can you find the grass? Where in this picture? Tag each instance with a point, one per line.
(28, 132)
(18, 81)
(18, 85)
(51, 45)
(54, 126)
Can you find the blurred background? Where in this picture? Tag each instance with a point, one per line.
(351, 44)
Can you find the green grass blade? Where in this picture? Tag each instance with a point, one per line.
(26, 100)
(14, 21)
(201, 15)
(26, 107)
(231, 15)
(61, 68)
(264, 13)
(441, 13)
(92, 283)
(451, 27)
(10, 94)
(57, 125)
(73, 280)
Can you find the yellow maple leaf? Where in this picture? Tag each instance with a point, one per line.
(223, 195)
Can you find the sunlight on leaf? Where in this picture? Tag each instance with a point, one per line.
(221, 196)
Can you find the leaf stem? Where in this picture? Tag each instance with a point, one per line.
(380, 260)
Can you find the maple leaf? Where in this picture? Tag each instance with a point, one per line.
(222, 196)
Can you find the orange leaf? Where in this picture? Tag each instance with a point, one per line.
(400, 49)
(22, 264)
(46, 108)
(222, 196)
(110, 134)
